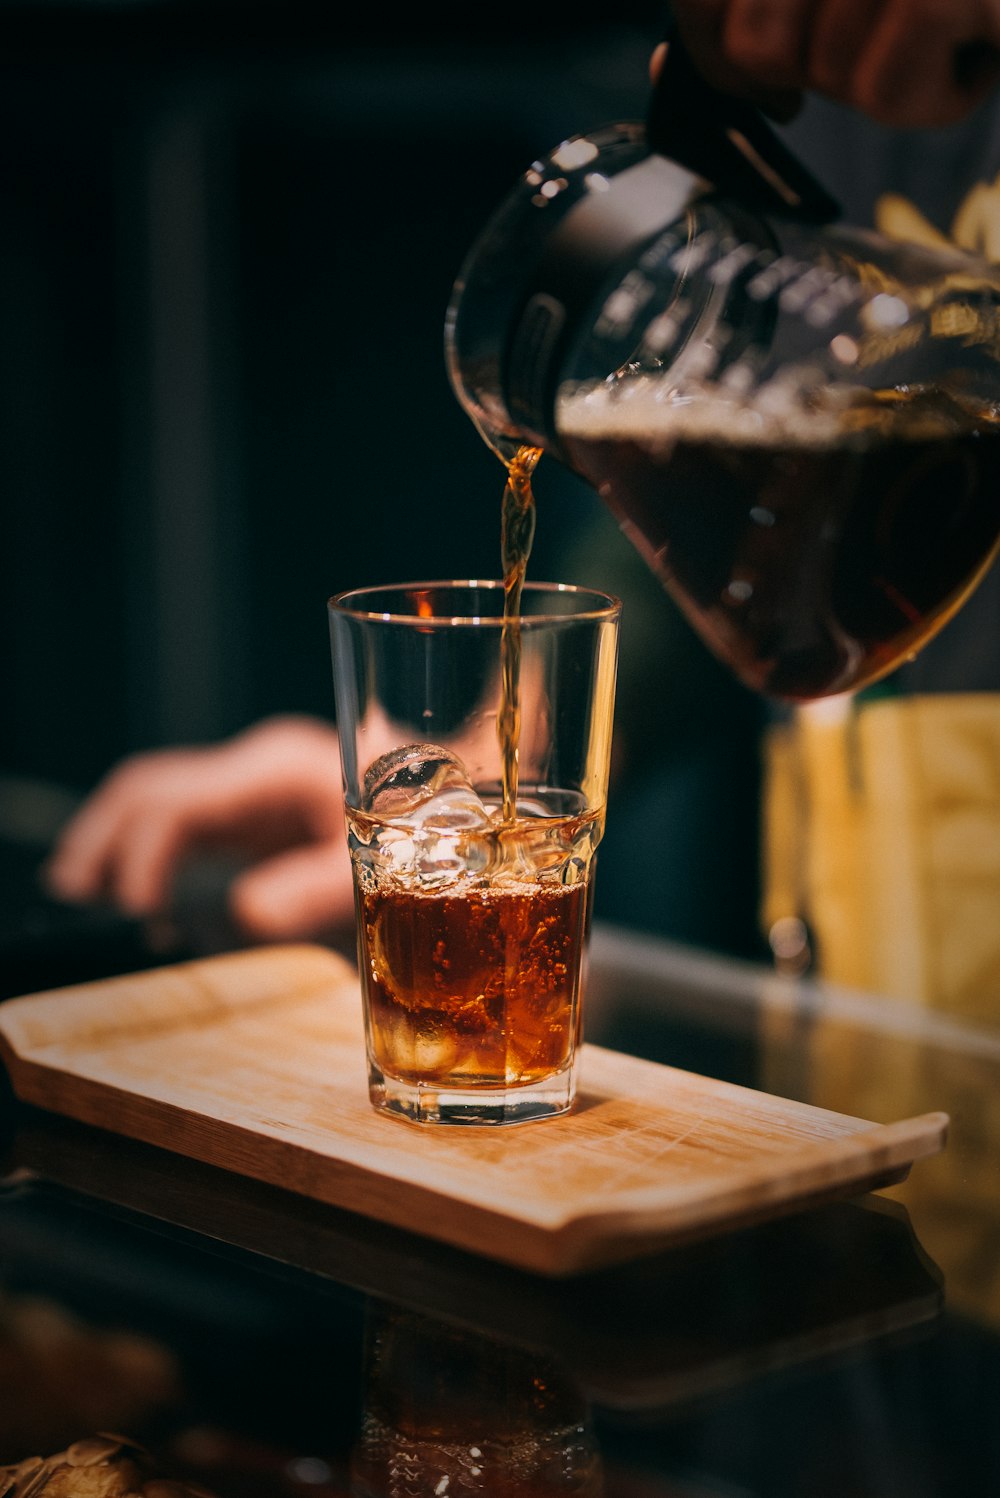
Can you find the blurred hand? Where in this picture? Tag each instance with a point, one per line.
(272, 794)
(901, 62)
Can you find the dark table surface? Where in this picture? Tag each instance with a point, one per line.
(260, 1344)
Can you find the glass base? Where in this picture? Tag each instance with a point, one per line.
(426, 1103)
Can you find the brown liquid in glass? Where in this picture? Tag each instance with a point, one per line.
(477, 987)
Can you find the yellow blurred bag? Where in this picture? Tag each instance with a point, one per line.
(882, 833)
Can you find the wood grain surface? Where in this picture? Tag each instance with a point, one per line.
(254, 1062)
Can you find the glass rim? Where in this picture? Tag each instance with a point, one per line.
(607, 606)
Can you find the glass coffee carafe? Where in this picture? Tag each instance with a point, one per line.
(797, 422)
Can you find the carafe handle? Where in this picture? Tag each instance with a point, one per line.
(729, 143)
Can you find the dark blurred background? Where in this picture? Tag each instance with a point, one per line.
(227, 241)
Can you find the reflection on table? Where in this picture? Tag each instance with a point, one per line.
(245, 1335)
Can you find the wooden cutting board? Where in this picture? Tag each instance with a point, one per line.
(254, 1061)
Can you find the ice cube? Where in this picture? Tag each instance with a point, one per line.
(434, 819)
(423, 785)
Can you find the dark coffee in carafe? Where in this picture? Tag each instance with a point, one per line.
(813, 551)
(795, 423)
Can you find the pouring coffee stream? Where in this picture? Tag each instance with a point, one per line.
(517, 530)
(795, 421)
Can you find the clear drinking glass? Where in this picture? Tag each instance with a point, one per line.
(472, 926)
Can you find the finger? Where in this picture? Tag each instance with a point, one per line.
(289, 763)
(196, 803)
(841, 31)
(78, 865)
(148, 849)
(701, 24)
(909, 75)
(276, 784)
(769, 40)
(298, 895)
